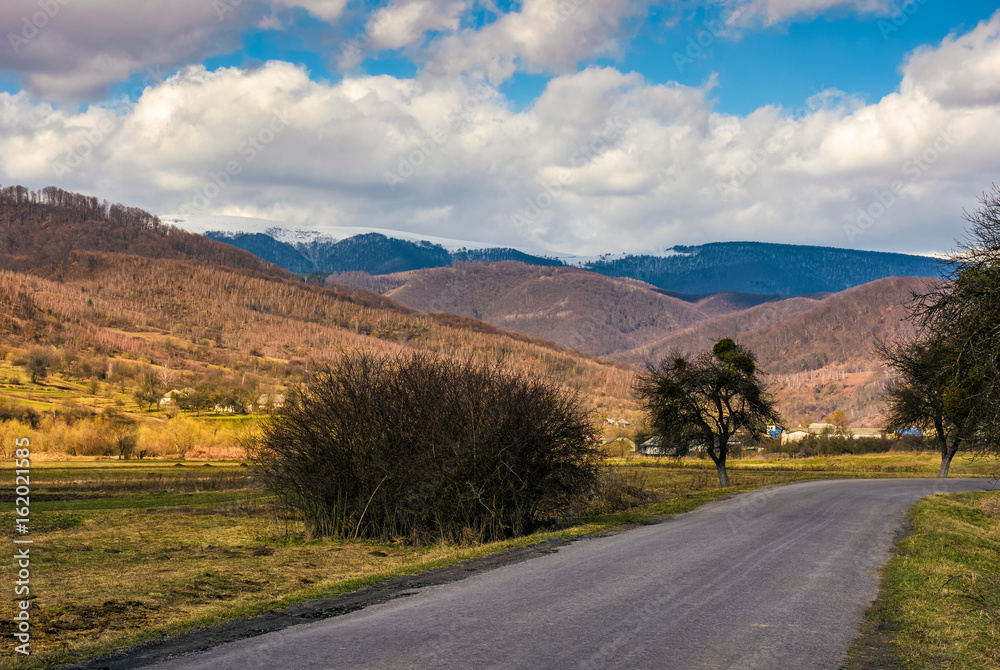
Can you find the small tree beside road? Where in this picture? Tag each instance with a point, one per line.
(948, 376)
(703, 401)
(923, 395)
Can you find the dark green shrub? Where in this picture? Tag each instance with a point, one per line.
(425, 448)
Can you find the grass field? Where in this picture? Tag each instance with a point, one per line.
(127, 550)
(940, 601)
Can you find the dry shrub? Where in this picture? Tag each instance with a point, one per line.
(618, 489)
(425, 448)
(11, 431)
(84, 438)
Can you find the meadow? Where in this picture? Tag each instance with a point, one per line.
(130, 550)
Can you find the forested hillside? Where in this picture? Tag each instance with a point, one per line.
(818, 350)
(819, 354)
(755, 267)
(373, 253)
(587, 311)
(45, 231)
(129, 308)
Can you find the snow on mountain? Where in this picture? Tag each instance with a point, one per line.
(284, 232)
(291, 234)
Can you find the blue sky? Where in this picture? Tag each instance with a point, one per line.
(782, 64)
(576, 125)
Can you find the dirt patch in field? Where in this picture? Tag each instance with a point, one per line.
(991, 505)
(73, 621)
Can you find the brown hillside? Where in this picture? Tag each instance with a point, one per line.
(736, 324)
(123, 297)
(717, 304)
(43, 231)
(819, 353)
(585, 310)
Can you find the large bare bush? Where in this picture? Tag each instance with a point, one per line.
(425, 448)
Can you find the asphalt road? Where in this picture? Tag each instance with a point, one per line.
(775, 579)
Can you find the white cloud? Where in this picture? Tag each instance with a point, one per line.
(753, 13)
(602, 161)
(545, 35)
(407, 23)
(401, 23)
(948, 74)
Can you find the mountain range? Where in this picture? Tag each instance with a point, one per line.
(741, 267)
(818, 349)
(114, 291)
(812, 314)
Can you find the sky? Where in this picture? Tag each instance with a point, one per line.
(579, 126)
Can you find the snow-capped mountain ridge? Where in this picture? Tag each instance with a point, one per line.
(759, 268)
(231, 226)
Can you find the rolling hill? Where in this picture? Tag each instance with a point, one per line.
(112, 296)
(109, 294)
(584, 310)
(759, 268)
(818, 349)
(819, 354)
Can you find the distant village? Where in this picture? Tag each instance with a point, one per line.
(654, 446)
(265, 402)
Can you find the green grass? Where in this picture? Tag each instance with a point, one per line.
(940, 598)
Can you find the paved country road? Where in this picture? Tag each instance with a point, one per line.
(774, 579)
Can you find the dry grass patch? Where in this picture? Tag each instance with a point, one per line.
(991, 506)
(941, 593)
(99, 577)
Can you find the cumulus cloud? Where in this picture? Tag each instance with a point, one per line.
(407, 22)
(74, 50)
(948, 74)
(544, 35)
(401, 23)
(601, 161)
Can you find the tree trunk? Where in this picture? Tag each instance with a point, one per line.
(945, 463)
(723, 475)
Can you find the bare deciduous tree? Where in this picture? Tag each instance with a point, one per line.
(704, 401)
